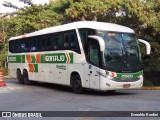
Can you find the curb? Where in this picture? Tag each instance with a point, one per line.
(7, 77)
(150, 88)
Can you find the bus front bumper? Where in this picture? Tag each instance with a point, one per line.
(107, 84)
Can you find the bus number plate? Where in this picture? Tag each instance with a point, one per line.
(126, 86)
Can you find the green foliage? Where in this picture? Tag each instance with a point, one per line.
(148, 83)
(3, 54)
(5, 71)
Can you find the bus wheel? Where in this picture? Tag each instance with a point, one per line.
(20, 77)
(76, 84)
(25, 78)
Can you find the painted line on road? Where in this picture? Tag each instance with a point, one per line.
(11, 88)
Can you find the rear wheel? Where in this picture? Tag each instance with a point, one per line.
(20, 77)
(76, 84)
(26, 79)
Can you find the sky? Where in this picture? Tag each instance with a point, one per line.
(20, 4)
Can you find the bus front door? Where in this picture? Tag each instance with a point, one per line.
(94, 53)
(94, 77)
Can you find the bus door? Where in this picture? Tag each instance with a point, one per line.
(94, 62)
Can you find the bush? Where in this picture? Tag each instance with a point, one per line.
(5, 71)
(148, 83)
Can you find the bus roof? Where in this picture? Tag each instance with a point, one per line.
(81, 24)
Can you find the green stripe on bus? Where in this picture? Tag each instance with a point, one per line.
(16, 59)
(71, 58)
(128, 75)
(35, 67)
(33, 58)
(22, 58)
(45, 58)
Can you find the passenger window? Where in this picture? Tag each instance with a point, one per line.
(84, 33)
(58, 41)
(18, 46)
(47, 44)
(12, 46)
(42, 44)
(66, 41)
(24, 45)
(52, 42)
(33, 44)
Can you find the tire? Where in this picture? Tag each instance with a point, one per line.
(26, 79)
(76, 84)
(20, 77)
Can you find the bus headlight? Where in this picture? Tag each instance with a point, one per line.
(140, 77)
(110, 77)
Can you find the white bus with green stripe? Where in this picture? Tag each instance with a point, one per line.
(85, 54)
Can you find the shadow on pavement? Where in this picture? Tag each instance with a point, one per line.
(62, 88)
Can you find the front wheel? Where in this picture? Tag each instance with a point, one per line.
(76, 84)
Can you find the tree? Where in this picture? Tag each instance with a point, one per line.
(31, 18)
(142, 16)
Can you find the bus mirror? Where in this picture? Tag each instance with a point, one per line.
(148, 46)
(100, 41)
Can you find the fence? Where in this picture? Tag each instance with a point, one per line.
(152, 78)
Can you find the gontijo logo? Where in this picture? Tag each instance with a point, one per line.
(62, 58)
(55, 58)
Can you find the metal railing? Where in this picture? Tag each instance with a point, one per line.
(152, 78)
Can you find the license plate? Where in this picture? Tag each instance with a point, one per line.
(126, 86)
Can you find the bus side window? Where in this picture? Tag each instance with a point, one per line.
(24, 44)
(51, 42)
(33, 45)
(47, 43)
(41, 45)
(84, 33)
(66, 41)
(11, 47)
(84, 37)
(74, 42)
(58, 39)
(56, 44)
(18, 46)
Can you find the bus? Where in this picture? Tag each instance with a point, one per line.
(85, 54)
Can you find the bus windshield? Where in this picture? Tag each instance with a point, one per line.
(122, 52)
